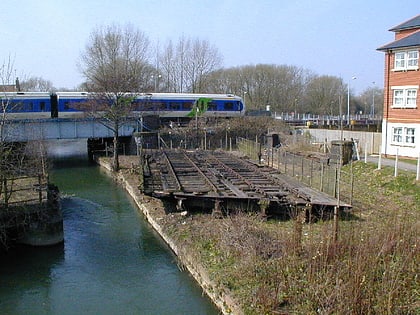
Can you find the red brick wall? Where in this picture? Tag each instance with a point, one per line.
(399, 78)
(402, 34)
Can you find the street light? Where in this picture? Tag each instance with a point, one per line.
(348, 101)
(156, 79)
(243, 97)
(373, 101)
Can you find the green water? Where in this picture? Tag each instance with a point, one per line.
(111, 262)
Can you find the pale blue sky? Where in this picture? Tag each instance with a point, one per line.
(330, 37)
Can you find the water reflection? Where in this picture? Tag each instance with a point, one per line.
(110, 263)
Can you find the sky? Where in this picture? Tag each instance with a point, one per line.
(328, 37)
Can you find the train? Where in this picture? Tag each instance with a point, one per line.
(27, 105)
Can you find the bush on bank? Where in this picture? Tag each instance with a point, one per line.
(371, 269)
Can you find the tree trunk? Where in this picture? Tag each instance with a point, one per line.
(115, 160)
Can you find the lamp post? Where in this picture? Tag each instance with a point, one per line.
(348, 101)
(243, 97)
(156, 79)
(373, 101)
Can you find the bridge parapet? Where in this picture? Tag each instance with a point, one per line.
(62, 128)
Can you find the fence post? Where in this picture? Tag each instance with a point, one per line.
(6, 199)
(293, 165)
(380, 158)
(301, 170)
(336, 184)
(311, 173)
(351, 183)
(396, 165)
(285, 162)
(40, 189)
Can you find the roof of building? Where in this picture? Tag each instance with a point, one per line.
(411, 23)
(409, 41)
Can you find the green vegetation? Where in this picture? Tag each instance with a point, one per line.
(284, 267)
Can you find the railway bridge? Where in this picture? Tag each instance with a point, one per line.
(221, 182)
(23, 130)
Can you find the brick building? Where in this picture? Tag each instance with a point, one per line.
(401, 121)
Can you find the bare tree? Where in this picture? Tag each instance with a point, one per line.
(14, 157)
(323, 94)
(115, 66)
(186, 65)
(7, 85)
(372, 100)
(203, 58)
(260, 85)
(35, 84)
(115, 59)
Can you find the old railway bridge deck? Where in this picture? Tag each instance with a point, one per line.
(222, 182)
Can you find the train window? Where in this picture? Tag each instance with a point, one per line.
(160, 106)
(30, 106)
(187, 105)
(146, 105)
(229, 106)
(174, 106)
(212, 106)
(66, 105)
(42, 106)
(17, 106)
(138, 105)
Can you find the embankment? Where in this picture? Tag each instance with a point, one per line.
(154, 211)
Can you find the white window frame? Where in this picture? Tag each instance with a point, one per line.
(397, 136)
(410, 135)
(404, 96)
(404, 136)
(406, 60)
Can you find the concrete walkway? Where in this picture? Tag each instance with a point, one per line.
(390, 162)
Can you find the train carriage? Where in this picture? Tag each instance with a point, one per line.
(24, 105)
(173, 105)
(166, 105)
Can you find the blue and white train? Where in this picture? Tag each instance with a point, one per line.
(27, 105)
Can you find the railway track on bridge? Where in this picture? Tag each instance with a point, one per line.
(207, 179)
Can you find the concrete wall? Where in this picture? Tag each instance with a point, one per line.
(367, 141)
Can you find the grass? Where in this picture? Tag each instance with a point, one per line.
(285, 267)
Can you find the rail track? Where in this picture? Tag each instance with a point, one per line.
(208, 179)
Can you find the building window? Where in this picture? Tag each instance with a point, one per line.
(403, 135)
(406, 60)
(409, 135)
(412, 59)
(397, 134)
(405, 96)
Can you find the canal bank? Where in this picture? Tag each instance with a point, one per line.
(155, 212)
(111, 261)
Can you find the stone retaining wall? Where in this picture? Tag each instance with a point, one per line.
(147, 205)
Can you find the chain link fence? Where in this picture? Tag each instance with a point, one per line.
(316, 170)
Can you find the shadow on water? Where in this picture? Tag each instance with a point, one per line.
(72, 162)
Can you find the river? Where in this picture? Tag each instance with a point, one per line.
(111, 262)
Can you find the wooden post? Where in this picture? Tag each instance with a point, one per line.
(293, 166)
(311, 173)
(6, 203)
(396, 165)
(285, 162)
(301, 170)
(40, 189)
